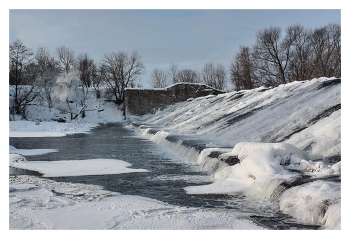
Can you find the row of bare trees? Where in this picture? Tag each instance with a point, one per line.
(279, 57)
(39, 74)
(214, 76)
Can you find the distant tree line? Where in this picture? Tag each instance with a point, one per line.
(56, 76)
(277, 57)
(211, 75)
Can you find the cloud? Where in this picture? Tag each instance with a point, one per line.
(189, 38)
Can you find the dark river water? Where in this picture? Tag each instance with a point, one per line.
(167, 177)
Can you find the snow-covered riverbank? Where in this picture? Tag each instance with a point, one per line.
(39, 203)
(278, 136)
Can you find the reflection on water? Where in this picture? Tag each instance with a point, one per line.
(164, 181)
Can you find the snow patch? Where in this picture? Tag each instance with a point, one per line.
(324, 137)
(47, 129)
(26, 152)
(320, 168)
(53, 205)
(311, 202)
(258, 174)
(66, 168)
(284, 151)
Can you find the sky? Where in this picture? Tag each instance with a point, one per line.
(189, 38)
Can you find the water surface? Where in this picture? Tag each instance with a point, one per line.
(168, 173)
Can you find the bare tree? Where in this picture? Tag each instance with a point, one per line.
(20, 57)
(88, 70)
(188, 75)
(220, 76)
(22, 78)
(87, 75)
(281, 57)
(48, 69)
(301, 65)
(271, 56)
(98, 81)
(335, 66)
(159, 78)
(121, 70)
(208, 74)
(242, 69)
(65, 58)
(327, 50)
(214, 76)
(45, 61)
(173, 70)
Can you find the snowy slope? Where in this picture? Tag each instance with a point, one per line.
(263, 115)
(280, 143)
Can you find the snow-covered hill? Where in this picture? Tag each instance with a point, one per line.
(281, 143)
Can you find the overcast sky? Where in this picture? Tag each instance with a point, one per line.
(189, 38)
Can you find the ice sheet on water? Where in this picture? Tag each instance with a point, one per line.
(26, 152)
(65, 168)
(42, 208)
(16, 158)
(221, 186)
(22, 187)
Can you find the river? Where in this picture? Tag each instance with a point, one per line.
(168, 174)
